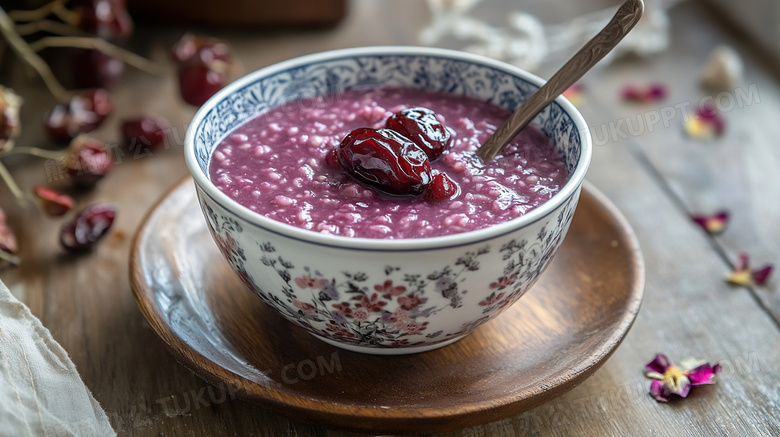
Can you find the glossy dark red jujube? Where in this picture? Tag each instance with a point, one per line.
(421, 126)
(386, 160)
(442, 187)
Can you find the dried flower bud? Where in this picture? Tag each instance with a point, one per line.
(88, 161)
(9, 115)
(8, 245)
(53, 203)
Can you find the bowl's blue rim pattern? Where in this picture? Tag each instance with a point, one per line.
(199, 171)
(200, 193)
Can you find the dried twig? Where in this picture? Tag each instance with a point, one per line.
(36, 14)
(50, 26)
(98, 44)
(34, 151)
(9, 258)
(15, 190)
(23, 51)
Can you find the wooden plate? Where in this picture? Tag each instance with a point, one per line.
(546, 344)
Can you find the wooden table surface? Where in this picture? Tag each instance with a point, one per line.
(652, 172)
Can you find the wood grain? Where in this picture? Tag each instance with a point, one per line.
(559, 334)
(688, 310)
(736, 172)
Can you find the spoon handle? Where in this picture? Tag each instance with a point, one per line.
(624, 20)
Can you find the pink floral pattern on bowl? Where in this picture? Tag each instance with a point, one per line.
(392, 310)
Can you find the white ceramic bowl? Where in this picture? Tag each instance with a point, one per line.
(462, 280)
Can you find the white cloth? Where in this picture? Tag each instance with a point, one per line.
(528, 43)
(41, 393)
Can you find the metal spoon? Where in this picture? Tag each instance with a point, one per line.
(624, 20)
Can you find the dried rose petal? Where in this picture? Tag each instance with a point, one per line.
(88, 227)
(8, 245)
(669, 379)
(89, 162)
(706, 123)
(653, 93)
(744, 276)
(575, 94)
(53, 203)
(713, 224)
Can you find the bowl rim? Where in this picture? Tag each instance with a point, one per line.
(203, 182)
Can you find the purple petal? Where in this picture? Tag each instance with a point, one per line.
(631, 93)
(761, 276)
(657, 91)
(702, 374)
(684, 389)
(659, 364)
(658, 391)
(742, 264)
(700, 220)
(722, 216)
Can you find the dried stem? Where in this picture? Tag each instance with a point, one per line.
(9, 258)
(36, 14)
(109, 49)
(5, 148)
(9, 180)
(23, 51)
(33, 151)
(64, 13)
(48, 26)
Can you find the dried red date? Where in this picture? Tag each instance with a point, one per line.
(107, 19)
(198, 82)
(204, 64)
(199, 49)
(386, 160)
(421, 126)
(148, 130)
(82, 114)
(94, 69)
(88, 227)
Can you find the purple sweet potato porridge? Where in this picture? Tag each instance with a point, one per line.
(275, 165)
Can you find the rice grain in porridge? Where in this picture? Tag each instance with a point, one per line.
(275, 165)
